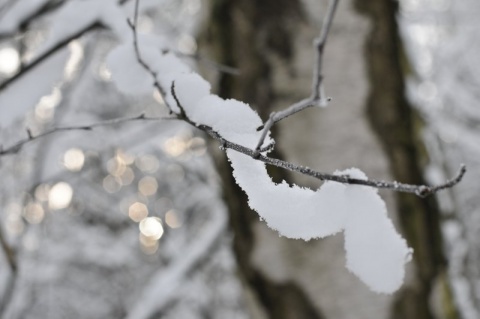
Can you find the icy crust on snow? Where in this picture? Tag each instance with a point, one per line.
(374, 250)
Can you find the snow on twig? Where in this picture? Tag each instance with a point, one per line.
(419, 190)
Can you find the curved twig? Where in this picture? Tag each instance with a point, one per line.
(317, 98)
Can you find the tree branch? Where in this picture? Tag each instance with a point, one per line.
(419, 190)
(210, 63)
(16, 147)
(9, 252)
(317, 98)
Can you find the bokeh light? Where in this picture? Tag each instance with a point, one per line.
(41, 192)
(127, 177)
(111, 184)
(172, 219)
(147, 163)
(137, 211)
(147, 186)
(9, 61)
(175, 146)
(151, 227)
(73, 159)
(33, 213)
(148, 245)
(60, 196)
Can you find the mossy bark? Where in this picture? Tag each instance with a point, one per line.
(246, 34)
(397, 126)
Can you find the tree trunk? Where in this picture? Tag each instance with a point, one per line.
(369, 125)
(248, 34)
(398, 128)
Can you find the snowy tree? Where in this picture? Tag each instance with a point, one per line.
(149, 70)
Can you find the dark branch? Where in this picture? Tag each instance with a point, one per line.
(419, 190)
(317, 97)
(16, 147)
(215, 65)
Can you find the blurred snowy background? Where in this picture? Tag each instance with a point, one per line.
(100, 222)
(442, 39)
(128, 220)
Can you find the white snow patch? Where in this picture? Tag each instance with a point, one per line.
(375, 251)
(127, 74)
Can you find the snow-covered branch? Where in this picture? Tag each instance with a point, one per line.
(293, 211)
(316, 98)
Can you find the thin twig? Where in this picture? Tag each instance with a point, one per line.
(215, 65)
(419, 190)
(317, 97)
(16, 147)
(320, 43)
(156, 84)
(9, 252)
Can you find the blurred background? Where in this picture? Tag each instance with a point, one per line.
(142, 219)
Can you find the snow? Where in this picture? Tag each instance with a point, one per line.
(67, 21)
(375, 252)
(20, 11)
(21, 97)
(127, 74)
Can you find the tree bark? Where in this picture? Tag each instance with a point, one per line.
(398, 127)
(245, 34)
